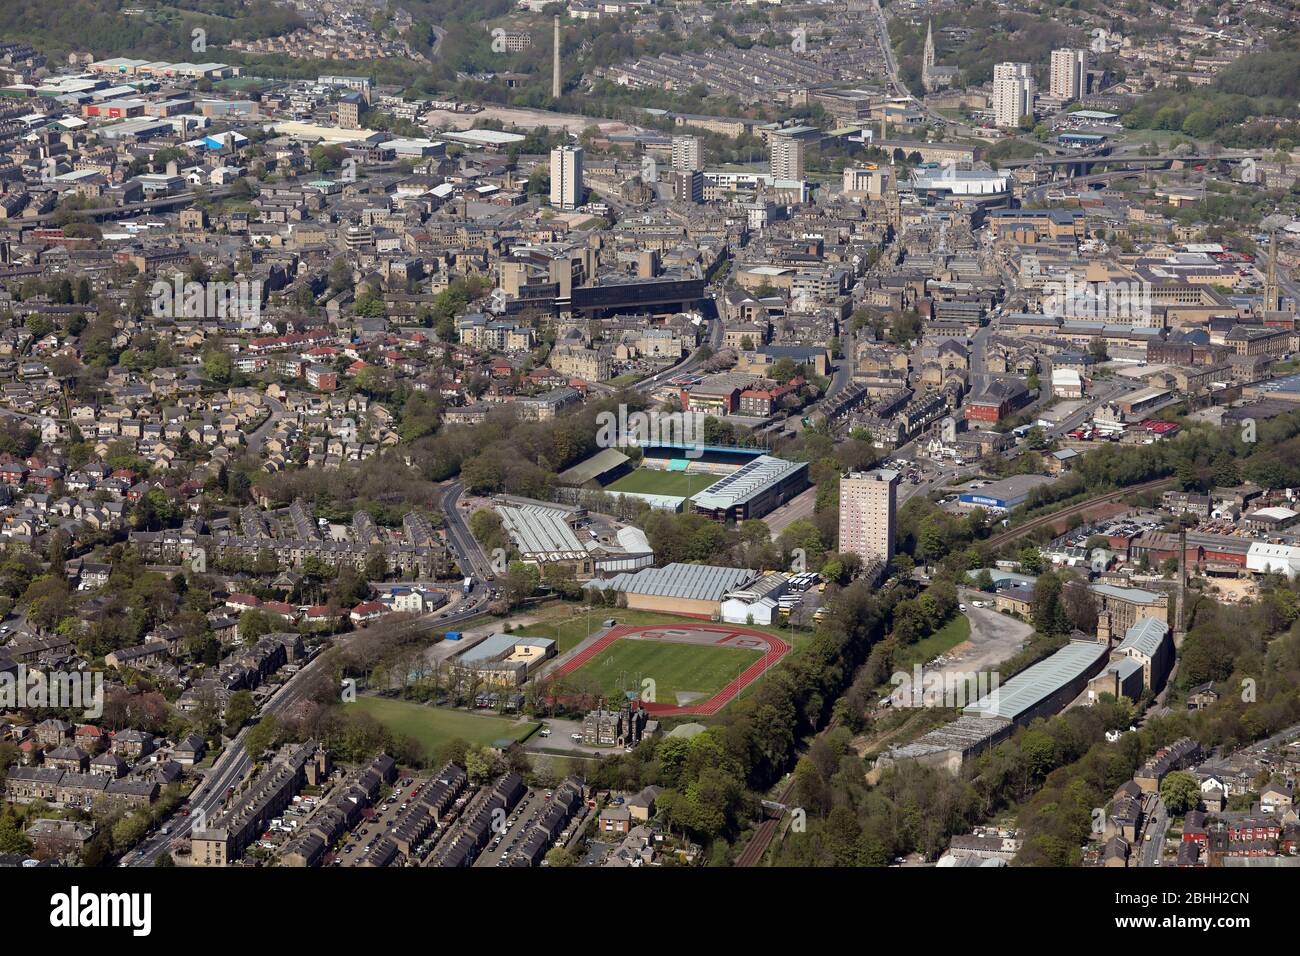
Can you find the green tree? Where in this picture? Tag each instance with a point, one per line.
(254, 624)
(1180, 792)
(1049, 614)
(12, 838)
(1031, 561)
(218, 366)
(263, 736)
(238, 710)
(520, 583)
(559, 856)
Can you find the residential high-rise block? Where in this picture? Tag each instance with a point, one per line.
(787, 158)
(1069, 79)
(566, 177)
(1013, 93)
(688, 185)
(868, 502)
(686, 153)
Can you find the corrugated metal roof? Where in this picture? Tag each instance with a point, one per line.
(1033, 684)
(690, 582)
(1133, 595)
(1145, 636)
(541, 532)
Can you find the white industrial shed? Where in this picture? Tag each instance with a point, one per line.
(755, 603)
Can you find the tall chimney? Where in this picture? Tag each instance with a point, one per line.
(555, 65)
(1272, 300)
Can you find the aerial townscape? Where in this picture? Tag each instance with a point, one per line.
(649, 433)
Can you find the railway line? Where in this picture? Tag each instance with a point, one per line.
(757, 846)
(1013, 534)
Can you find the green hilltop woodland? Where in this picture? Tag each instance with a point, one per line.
(1254, 102)
(163, 30)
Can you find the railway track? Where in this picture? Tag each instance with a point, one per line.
(757, 846)
(1013, 534)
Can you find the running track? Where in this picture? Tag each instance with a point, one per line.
(776, 649)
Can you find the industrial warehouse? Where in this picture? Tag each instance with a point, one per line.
(691, 590)
(549, 535)
(1038, 691)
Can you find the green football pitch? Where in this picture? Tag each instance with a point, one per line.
(702, 669)
(647, 481)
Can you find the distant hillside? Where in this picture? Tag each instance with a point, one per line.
(1252, 104)
(163, 29)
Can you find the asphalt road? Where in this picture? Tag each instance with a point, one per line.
(258, 436)
(469, 553)
(1156, 827)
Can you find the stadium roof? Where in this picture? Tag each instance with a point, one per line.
(691, 582)
(607, 459)
(750, 480)
(1043, 679)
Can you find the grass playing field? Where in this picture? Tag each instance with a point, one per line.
(647, 481)
(701, 669)
(569, 625)
(435, 726)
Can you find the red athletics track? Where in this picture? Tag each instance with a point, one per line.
(775, 650)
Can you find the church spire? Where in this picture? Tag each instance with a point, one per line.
(927, 57)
